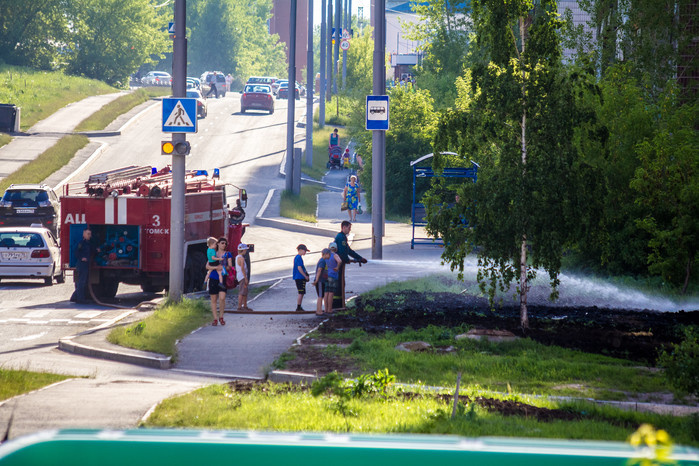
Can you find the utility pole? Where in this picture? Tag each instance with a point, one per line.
(310, 84)
(321, 99)
(378, 138)
(328, 93)
(179, 78)
(344, 52)
(338, 38)
(291, 97)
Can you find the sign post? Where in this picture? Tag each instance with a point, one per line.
(377, 112)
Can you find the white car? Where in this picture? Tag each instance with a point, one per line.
(30, 252)
(157, 78)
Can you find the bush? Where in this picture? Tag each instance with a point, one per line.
(682, 363)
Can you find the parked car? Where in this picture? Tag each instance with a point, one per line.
(258, 97)
(283, 91)
(30, 252)
(157, 78)
(208, 77)
(194, 83)
(201, 102)
(25, 204)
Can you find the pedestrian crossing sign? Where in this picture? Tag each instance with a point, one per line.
(179, 115)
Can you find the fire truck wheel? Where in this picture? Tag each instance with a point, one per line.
(107, 288)
(194, 271)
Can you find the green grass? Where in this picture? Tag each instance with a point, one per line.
(160, 331)
(275, 407)
(521, 366)
(302, 207)
(47, 162)
(103, 117)
(41, 93)
(4, 139)
(13, 383)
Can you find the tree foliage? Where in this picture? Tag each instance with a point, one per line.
(112, 38)
(667, 185)
(518, 125)
(443, 33)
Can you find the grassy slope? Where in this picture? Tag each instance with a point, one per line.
(41, 93)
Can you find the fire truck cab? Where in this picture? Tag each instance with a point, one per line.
(128, 211)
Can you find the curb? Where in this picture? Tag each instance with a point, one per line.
(158, 362)
(295, 227)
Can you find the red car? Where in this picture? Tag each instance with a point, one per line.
(257, 97)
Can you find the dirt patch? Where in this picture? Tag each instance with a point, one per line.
(629, 334)
(318, 358)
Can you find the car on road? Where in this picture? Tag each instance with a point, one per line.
(25, 204)
(30, 252)
(257, 97)
(157, 78)
(283, 91)
(201, 102)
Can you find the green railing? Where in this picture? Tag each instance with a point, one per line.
(209, 448)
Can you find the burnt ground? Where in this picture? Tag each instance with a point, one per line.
(636, 335)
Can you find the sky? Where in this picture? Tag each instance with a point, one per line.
(366, 4)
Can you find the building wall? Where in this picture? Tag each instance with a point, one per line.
(279, 24)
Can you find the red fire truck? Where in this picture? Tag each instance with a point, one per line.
(128, 211)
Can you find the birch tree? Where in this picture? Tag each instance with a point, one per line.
(518, 125)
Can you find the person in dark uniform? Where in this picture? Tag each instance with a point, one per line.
(84, 252)
(344, 251)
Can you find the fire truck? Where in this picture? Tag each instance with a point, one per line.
(128, 211)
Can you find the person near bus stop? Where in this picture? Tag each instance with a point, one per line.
(84, 252)
(345, 252)
(241, 270)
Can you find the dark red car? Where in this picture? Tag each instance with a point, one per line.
(257, 97)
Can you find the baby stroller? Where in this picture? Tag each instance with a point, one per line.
(334, 157)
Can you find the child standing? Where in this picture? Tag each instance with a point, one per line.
(321, 280)
(300, 275)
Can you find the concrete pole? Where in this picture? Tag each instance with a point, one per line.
(338, 38)
(344, 52)
(310, 84)
(321, 100)
(378, 139)
(179, 85)
(328, 93)
(291, 96)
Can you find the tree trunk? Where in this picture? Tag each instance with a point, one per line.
(523, 285)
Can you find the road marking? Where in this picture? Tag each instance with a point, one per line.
(37, 313)
(87, 314)
(30, 337)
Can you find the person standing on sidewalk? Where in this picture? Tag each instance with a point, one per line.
(300, 275)
(321, 280)
(212, 83)
(333, 263)
(241, 271)
(344, 251)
